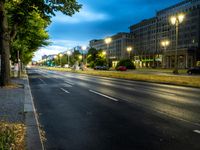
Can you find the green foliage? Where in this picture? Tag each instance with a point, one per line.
(126, 62)
(30, 37)
(92, 55)
(12, 136)
(96, 58)
(75, 57)
(198, 63)
(28, 20)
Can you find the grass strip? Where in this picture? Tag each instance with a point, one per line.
(192, 81)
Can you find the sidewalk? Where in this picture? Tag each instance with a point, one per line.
(16, 106)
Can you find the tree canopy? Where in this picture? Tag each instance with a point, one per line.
(22, 28)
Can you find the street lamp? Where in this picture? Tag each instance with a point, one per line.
(129, 49)
(60, 55)
(68, 54)
(83, 49)
(176, 20)
(80, 57)
(104, 53)
(108, 41)
(164, 44)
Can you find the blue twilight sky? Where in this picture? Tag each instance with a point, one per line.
(98, 19)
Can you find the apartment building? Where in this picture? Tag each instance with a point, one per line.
(148, 35)
(144, 41)
(117, 48)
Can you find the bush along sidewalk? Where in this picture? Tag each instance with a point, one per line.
(12, 136)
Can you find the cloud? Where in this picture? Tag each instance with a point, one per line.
(56, 47)
(85, 15)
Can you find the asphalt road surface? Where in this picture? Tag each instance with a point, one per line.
(83, 112)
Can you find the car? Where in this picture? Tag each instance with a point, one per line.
(104, 67)
(194, 70)
(121, 68)
(97, 67)
(101, 68)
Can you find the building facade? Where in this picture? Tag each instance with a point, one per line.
(117, 48)
(148, 35)
(144, 41)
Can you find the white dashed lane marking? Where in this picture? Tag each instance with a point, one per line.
(197, 131)
(42, 81)
(65, 90)
(111, 98)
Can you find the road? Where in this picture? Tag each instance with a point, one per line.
(83, 112)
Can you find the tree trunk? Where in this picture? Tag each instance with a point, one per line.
(4, 46)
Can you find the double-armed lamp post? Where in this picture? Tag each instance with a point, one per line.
(164, 44)
(176, 20)
(129, 49)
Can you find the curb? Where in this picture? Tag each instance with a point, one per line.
(33, 137)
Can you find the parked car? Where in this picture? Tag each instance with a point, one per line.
(121, 68)
(104, 68)
(194, 70)
(101, 68)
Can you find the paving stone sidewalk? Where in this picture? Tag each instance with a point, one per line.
(16, 106)
(12, 103)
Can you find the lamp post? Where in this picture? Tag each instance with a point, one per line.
(68, 54)
(60, 56)
(176, 20)
(83, 48)
(164, 43)
(104, 55)
(129, 49)
(80, 57)
(55, 57)
(108, 41)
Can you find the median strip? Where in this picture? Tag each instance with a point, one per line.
(111, 98)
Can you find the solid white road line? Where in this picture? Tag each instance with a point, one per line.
(104, 95)
(42, 81)
(197, 131)
(65, 90)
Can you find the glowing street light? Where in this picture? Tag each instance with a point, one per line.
(80, 57)
(108, 41)
(68, 54)
(83, 48)
(60, 56)
(176, 20)
(129, 49)
(164, 44)
(104, 53)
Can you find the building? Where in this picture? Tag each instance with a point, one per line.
(144, 41)
(149, 33)
(117, 48)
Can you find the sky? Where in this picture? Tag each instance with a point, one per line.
(96, 20)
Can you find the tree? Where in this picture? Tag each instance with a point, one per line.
(29, 38)
(96, 57)
(126, 62)
(19, 11)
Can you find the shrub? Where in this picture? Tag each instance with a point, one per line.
(12, 136)
(198, 63)
(126, 62)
